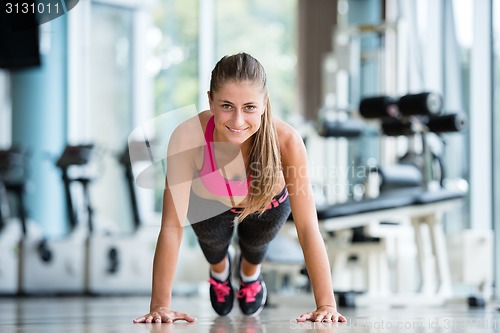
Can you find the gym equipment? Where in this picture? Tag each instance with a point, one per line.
(378, 107)
(428, 160)
(399, 176)
(12, 175)
(10, 235)
(418, 206)
(349, 128)
(122, 263)
(465, 248)
(404, 193)
(449, 123)
(425, 103)
(415, 116)
(57, 266)
(4, 206)
(336, 129)
(396, 127)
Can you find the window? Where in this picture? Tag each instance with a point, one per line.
(262, 28)
(266, 30)
(174, 64)
(110, 107)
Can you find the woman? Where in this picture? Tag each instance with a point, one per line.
(236, 165)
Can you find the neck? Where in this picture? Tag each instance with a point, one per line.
(245, 147)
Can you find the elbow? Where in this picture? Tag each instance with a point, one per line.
(171, 232)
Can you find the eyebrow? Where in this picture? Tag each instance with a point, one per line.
(229, 102)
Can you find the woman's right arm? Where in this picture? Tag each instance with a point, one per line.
(180, 168)
(166, 256)
(165, 261)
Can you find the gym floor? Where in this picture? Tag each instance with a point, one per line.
(115, 314)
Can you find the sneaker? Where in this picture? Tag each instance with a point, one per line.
(252, 296)
(222, 294)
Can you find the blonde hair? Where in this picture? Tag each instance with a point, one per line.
(264, 163)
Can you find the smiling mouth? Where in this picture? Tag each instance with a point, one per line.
(232, 130)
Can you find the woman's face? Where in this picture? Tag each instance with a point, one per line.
(238, 107)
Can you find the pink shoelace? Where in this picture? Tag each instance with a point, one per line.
(249, 291)
(221, 289)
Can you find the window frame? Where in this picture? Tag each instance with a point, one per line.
(5, 110)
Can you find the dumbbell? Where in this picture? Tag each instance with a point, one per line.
(397, 127)
(350, 128)
(455, 122)
(378, 107)
(425, 103)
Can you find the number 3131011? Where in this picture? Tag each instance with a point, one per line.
(31, 8)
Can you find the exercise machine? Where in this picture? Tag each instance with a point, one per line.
(122, 263)
(415, 116)
(57, 265)
(12, 179)
(405, 195)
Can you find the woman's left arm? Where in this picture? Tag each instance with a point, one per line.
(295, 171)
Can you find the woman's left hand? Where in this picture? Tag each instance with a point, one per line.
(325, 313)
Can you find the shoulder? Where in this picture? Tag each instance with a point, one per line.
(190, 134)
(194, 125)
(290, 141)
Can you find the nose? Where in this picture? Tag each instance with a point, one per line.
(238, 119)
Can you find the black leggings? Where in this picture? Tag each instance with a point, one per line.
(254, 232)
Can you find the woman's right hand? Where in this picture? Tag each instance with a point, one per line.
(163, 314)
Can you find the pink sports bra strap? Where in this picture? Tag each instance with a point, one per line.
(210, 175)
(209, 131)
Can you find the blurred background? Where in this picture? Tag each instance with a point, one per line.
(370, 84)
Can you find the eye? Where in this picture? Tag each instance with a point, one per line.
(250, 107)
(226, 107)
